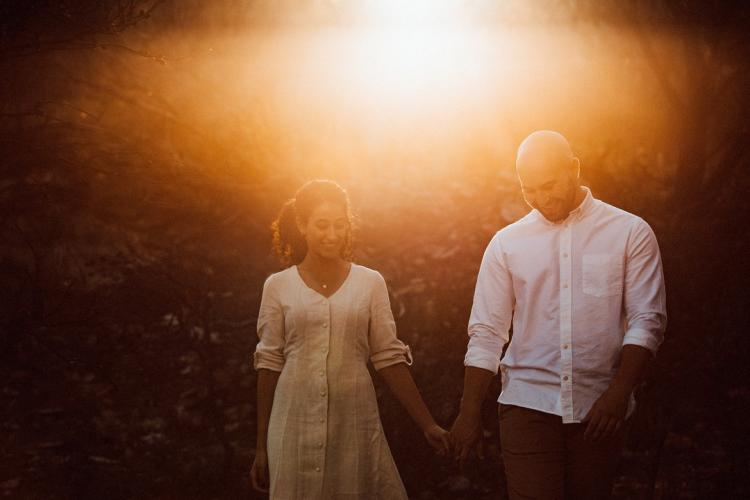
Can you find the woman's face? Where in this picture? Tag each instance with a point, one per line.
(326, 230)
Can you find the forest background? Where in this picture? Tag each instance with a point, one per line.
(147, 145)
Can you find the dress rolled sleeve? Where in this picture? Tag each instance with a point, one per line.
(492, 310)
(269, 352)
(644, 297)
(385, 347)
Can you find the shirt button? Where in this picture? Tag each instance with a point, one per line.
(565, 377)
(325, 325)
(565, 255)
(322, 419)
(322, 372)
(317, 469)
(565, 346)
(320, 445)
(323, 393)
(565, 285)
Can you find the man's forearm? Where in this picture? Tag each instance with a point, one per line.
(476, 382)
(633, 362)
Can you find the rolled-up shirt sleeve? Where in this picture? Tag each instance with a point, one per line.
(269, 352)
(645, 296)
(385, 347)
(492, 310)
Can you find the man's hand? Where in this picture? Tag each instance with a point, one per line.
(465, 433)
(607, 414)
(259, 472)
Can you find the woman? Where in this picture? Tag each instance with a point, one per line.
(320, 320)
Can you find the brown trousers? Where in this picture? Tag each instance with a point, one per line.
(546, 459)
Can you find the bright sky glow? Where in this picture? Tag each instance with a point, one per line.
(414, 12)
(421, 83)
(414, 64)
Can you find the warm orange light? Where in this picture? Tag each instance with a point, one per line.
(413, 12)
(409, 66)
(407, 53)
(423, 86)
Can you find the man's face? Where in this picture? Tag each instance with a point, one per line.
(550, 188)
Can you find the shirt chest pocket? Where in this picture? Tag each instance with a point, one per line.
(602, 274)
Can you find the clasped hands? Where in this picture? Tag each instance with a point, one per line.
(463, 436)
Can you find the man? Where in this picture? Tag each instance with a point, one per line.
(581, 281)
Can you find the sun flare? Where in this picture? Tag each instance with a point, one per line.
(417, 64)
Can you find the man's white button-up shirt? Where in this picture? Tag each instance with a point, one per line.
(575, 292)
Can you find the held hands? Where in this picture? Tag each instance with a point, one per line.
(607, 414)
(464, 435)
(259, 472)
(437, 437)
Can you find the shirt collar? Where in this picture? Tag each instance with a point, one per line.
(578, 213)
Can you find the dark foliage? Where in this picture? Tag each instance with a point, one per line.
(135, 244)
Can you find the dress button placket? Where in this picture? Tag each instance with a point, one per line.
(325, 335)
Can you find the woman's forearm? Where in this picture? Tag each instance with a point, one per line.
(402, 385)
(267, 380)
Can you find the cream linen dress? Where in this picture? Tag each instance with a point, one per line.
(325, 439)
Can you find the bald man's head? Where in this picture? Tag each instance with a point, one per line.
(543, 149)
(548, 173)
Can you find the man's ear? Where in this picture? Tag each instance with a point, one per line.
(576, 165)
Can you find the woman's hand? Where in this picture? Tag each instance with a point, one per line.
(437, 437)
(259, 472)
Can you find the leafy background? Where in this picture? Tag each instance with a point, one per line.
(146, 146)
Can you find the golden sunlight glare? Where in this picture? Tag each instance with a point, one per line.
(436, 79)
(414, 64)
(411, 52)
(413, 12)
